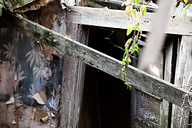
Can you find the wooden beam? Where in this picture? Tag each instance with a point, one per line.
(117, 4)
(96, 59)
(118, 19)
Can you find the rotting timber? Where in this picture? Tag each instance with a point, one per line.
(96, 59)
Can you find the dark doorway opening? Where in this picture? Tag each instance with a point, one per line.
(106, 101)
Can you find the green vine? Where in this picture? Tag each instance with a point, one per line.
(131, 46)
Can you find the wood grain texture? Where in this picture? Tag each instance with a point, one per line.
(73, 75)
(148, 108)
(167, 76)
(73, 82)
(147, 111)
(96, 59)
(183, 79)
(117, 4)
(117, 19)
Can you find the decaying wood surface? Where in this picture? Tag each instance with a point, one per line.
(117, 4)
(117, 19)
(183, 79)
(94, 58)
(147, 104)
(28, 117)
(168, 74)
(73, 69)
(37, 4)
(73, 79)
(72, 85)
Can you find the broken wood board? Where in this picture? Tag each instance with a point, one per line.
(103, 17)
(28, 117)
(96, 59)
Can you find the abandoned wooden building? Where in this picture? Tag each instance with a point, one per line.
(57, 69)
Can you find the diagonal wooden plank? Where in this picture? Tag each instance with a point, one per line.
(117, 19)
(96, 59)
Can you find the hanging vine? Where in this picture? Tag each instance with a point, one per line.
(131, 45)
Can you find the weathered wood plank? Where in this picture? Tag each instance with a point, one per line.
(118, 19)
(117, 4)
(94, 58)
(73, 69)
(147, 111)
(183, 79)
(147, 104)
(73, 82)
(168, 77)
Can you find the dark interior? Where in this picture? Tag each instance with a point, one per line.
(106, 101)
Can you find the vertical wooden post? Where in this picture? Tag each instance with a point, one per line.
(73, 75)
(72, 85)
(168, 74)
(183, 79)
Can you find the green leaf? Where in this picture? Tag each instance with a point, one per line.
(130, 39)
(143, 9)
(123, 61)
(137, 47)
(128, 42)
(134, 12)
(137, 51)
(127, 64)
(137, 2)
(184, 14)
(185, 1)
(189, 5)
(133, 51)
(123, 76)
(137, 27)
(125, 54)
(130, 29)
(128, 84)
(128, 60)
(131, 48)
(119, 47)
(135, 39)
(130, 87)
